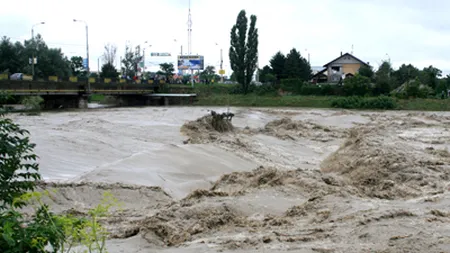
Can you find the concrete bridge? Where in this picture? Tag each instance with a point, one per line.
(69, 94)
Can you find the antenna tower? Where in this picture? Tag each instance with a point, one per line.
(189, 30)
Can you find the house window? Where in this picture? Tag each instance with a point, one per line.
(336, 68)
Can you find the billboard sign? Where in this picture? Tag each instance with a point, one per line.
(191, 62)
(152, 54)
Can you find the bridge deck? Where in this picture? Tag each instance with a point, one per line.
(171, 95)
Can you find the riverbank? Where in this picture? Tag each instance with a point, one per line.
(252, 100)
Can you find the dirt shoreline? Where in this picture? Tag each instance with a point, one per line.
(281, 180)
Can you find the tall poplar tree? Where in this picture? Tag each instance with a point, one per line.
(244, 49)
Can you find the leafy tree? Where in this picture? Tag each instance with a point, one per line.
(297, 67)
(366, 71)
(109, 71)
(109, 56)
(130, 62)
(244, 49)
(33, 104)
(266, 70)
(208, 74)
(385, 70)
(18, 167)
(270, 78)
(406, 73)
(167, 69)
(357, 85)
(10, 58)
(430, 76)
(76, 65)
(233, 77)
(277, 63)
(15, 58)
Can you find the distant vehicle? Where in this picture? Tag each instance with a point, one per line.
(20, 76)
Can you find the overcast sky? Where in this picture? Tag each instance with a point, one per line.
(406, 31)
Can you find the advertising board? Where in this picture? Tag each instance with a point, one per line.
(191, 62)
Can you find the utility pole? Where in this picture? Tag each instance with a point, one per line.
(34, 48)
(143, 55)
(221, 65)
(190, 40)
(308, 56)
(87, 53)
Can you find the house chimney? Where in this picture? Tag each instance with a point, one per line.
(341, 53)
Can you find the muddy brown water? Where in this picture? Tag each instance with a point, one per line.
(282, 180)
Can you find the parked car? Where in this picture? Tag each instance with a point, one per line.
(20, 76)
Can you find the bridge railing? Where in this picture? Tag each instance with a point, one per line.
(56, 85)
(75, 79)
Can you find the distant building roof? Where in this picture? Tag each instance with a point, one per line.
(346, 54)
(317, 69)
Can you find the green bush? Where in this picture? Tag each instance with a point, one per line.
(265, 89)
(310, 89)
(355, 102)
(413, 89)
(291, 85)
(33, 104)
(357, 85)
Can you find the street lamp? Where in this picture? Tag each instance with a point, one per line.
(221, 63)
(308, 55)
(143, 52)
(87, 52)
(32, 55)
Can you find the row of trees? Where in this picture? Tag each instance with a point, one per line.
(243, 55)
(16, 58)
(385, 79)
(291, 66)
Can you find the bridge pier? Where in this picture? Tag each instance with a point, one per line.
(82, 102)
(166, 101)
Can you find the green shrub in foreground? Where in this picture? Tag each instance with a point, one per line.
(381, 102)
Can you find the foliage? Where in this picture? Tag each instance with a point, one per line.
(233, 77)
(406, 73)
(109, 71)
(357, 85)
(266, 75)
(76, 65)
(292, 85)
(296, 66)
(19, 169)
(382, 86)
(130, 62)
(167, 69)
(244, 50)
(33, 104)
(11, 59)
(367, 71)
(15, 58)
(208, 74)
(356, 102)
(47, 232)
(109, 56)
(277, 63)
(429, 76)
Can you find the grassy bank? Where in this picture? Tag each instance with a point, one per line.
(424, 104)
(264, 101)
(417, 104)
